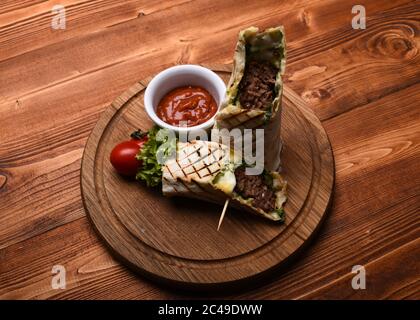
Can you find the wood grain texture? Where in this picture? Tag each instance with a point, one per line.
(388, 268)
(176, 241)
(363, 84)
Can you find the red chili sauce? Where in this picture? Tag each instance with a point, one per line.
(190, 105)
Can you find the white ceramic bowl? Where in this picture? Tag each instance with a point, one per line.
(179, 76)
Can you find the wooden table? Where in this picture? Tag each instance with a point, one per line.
(363, 85)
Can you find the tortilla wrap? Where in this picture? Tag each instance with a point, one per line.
(267, 46)
(205, 170)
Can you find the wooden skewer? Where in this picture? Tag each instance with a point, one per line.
(223, 214)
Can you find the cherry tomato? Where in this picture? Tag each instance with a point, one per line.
(123, 156)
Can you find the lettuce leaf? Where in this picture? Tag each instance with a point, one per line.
(158, 145)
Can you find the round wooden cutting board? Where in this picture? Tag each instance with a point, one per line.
(175, 240)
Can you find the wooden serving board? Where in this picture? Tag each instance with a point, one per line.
(174, 240)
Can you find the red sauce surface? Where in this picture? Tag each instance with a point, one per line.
(192, 105)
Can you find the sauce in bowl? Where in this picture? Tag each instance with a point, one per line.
(190, 106)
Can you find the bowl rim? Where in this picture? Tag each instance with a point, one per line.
(172, 71)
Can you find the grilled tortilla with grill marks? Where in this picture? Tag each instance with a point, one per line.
(209, 171)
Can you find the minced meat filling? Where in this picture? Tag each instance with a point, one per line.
(253, 186)
(256, 90)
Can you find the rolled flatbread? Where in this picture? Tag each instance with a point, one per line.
(253, 97)
(210, 171)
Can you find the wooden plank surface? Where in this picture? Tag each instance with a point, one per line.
(363, 84)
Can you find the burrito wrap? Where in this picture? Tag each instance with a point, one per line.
(205, 170)
(267, 47)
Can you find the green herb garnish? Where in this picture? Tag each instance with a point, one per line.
(138, 134)
(280, 213)
(268, 178)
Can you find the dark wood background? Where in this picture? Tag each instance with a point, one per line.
(363, 85)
